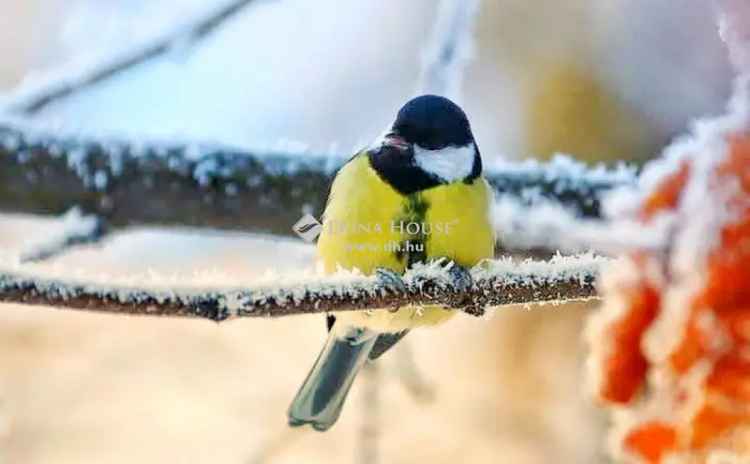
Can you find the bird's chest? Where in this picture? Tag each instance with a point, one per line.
(368, 225)
(371, 229)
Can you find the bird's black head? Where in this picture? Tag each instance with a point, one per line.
(432, 122)
(429, 144)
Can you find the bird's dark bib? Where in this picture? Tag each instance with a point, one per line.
(399, 170)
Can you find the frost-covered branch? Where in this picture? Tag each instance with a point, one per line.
(496, 283)
(450, 48)
(65, 82)
(159, 184)
(202, 185)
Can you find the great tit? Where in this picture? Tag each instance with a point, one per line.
(416, 195)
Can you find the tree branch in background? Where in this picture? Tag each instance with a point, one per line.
(185, 184)
(496, 283)
(126, 183)
(77, 229)
(450, 48)
(31, 101)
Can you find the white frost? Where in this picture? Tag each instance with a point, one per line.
(72, 225)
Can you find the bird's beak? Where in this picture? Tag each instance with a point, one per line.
(395, 141)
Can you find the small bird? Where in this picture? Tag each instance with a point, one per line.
(417, 195)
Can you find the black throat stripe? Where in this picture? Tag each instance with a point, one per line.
(399, 170)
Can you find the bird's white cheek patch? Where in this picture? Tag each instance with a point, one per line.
(449, 163)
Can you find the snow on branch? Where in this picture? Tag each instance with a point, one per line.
(209, 185)
(35, 96)
(496, 283)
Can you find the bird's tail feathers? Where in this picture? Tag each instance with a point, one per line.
(321, 397)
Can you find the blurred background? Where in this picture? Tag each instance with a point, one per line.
(603, 81)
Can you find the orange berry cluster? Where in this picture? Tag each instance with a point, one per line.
(691, 399)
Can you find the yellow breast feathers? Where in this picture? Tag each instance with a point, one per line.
(369, 225)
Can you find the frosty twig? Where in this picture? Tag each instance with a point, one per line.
(69, 84)
(192, 184)
(77, 229)
(496, 283)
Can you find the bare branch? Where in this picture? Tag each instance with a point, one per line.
(496, 283)
(29, 102)
(220, 187)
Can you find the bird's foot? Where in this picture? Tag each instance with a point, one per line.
(462, 282)
(460, 276)
(390, 279)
